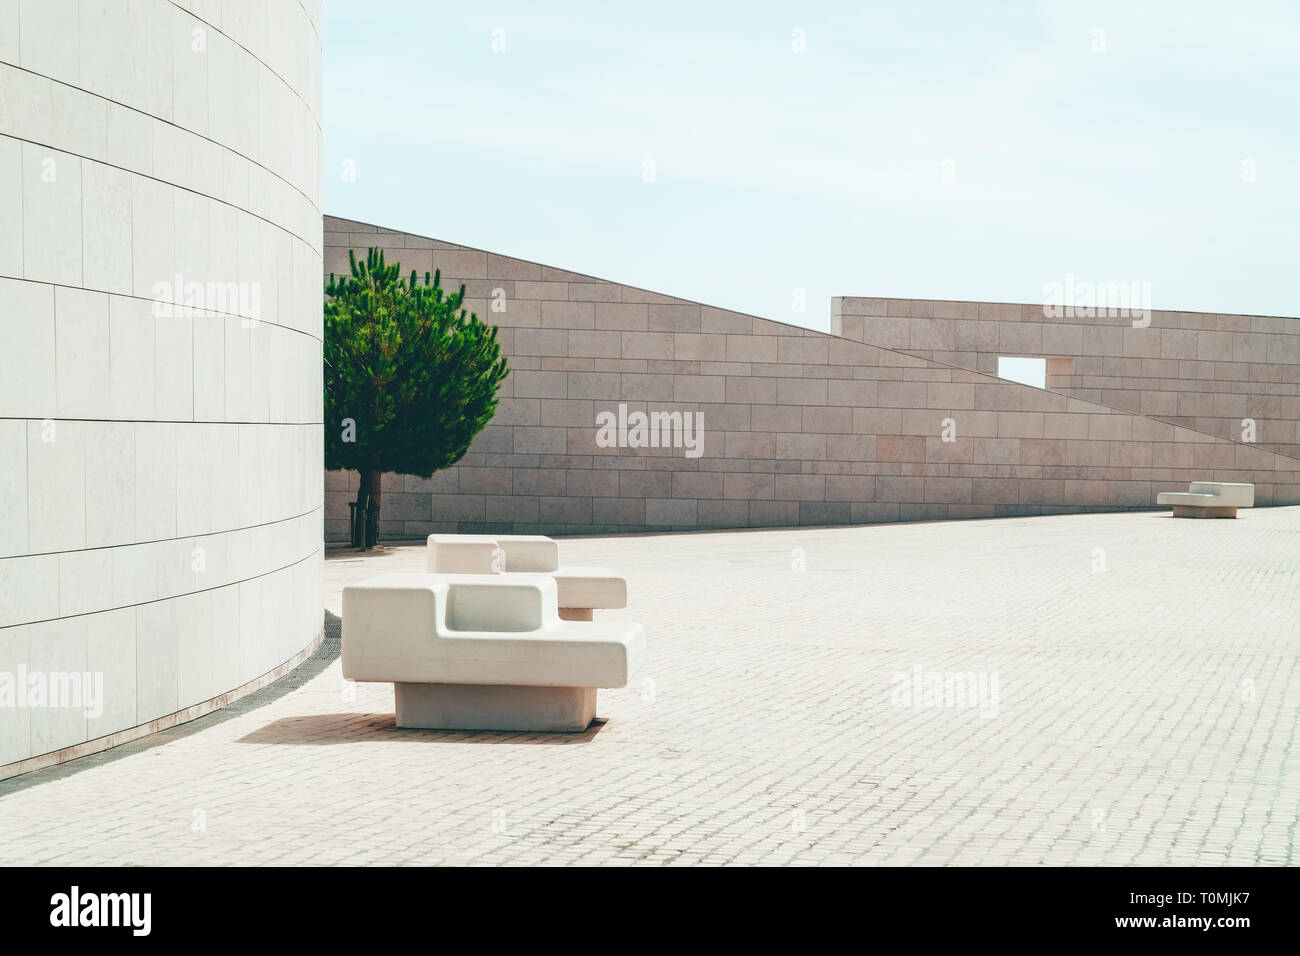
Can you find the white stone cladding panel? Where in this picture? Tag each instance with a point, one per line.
(158, 464)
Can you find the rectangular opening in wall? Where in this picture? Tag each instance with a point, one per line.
(1026, 371)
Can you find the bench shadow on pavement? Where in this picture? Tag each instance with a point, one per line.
(324, 729)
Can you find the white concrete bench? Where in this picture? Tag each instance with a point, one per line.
(466, 652)
(581, 590)
(1209, 499)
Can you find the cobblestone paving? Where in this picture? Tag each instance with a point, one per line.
(1139, 706)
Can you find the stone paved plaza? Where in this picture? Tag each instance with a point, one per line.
(1140, 691)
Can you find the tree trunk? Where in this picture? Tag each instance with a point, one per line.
(370, 480)
(359, 541)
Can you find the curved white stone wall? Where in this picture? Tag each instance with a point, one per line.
(160, 469)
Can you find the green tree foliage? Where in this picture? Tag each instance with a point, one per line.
(410, 376)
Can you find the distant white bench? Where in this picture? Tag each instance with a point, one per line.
(580, 590)
(469, 652)
(1209, 499)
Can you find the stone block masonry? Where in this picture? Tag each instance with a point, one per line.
(1212, 373)
(798, 427)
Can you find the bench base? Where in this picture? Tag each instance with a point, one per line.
(494, 707)
(1205, 511)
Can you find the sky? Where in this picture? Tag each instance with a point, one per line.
(756, 155)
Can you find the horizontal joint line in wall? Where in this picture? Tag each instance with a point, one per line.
(180, 537)
(173, 597)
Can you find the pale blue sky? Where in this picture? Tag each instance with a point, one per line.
(825, 170)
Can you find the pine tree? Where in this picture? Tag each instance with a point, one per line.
(410, 377)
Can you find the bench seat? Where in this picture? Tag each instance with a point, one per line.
(1238, 493)
(470, 652)
(1209, 499)
(1185, 498)
(581, 589)
(590, 588)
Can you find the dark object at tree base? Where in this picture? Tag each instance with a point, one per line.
(363, 523)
